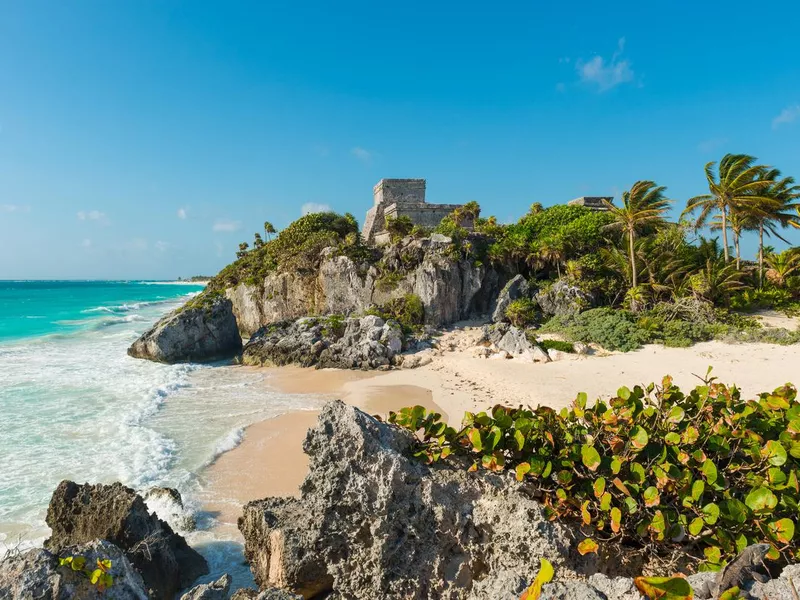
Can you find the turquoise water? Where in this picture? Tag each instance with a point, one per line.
(73, 405)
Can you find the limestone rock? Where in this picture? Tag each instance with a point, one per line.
(417, 359)
(356, 343)
(191, 334)
(562, 299)
(372, 522)
(36, 574)
(79, 514)
(216, 590)
(167, 505)
(515, 289)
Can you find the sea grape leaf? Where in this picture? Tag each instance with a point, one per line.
(639, 437)
(782, 530)
(590, 457)
(664, 588)
(545, 575)
(709, 471)
(775, 453)
(587, 546)
(761, 498)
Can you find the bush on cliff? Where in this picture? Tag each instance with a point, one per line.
(297, 247)
(407, 310)
(700, 474)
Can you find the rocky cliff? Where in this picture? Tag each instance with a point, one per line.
(449, 287)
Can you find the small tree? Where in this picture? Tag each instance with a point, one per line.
(399, 228)
(257, 240)
(242, 249)
(269, 230)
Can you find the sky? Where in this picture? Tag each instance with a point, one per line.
(146, 139)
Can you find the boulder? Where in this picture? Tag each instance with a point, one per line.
(215, 590)
(36, 574)
(515, 341)
(195, 332)
(357, 343)
(79, 514)
(373, 522)
(515, 289)
(562, 299)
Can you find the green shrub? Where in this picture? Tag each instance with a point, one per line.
(703, 473)
(558, 345)
(407, 310)
(522, 312)
(613, 329)
(333, 326)
(399, 228)
(97, 574)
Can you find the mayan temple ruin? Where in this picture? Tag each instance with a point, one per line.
(396, 198)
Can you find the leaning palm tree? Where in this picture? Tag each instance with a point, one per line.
(644, 204)
(269, 229)
(737, 181)
(783, 268)
(782, 210)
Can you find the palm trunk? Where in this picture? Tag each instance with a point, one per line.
(761, 255)
(736, 247)
(634, 279)
(725, 233)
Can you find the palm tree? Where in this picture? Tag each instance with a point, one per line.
(643, 205)
(736, 182)
(782, 268)
(779, 212)
(552, 251)
(269, 230)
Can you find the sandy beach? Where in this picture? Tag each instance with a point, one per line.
(270, 461)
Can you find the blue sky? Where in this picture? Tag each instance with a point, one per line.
(144, 139)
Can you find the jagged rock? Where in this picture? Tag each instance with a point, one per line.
(515, 341)
(372, 522)
(215, 590)
(36, 574)
(562, 299)
(82, 513)
(515, 289)
(418, 359)
(167, 505)
(191, 334)
(244, 594)
(356, 343)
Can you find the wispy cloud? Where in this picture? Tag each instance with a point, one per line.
(93, 215)
(362, 154)
(604, 75)
(314, 207)
(14, 208)
(183, 213)
(710, 145)
(161, 246)
(226, 226)
(788, 115)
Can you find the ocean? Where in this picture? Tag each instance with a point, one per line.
(74, 406)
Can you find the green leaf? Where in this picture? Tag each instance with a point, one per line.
(664, 588)
(519, 439)
(676, 414)
(522, 470)
(637, 472)
(775, 453)
(713, 554)
(782, 530)
(624, 393)
(616, 465)
(711, 513)
(696, 526)
(731, 594)
(698, 487)
(616, 519)
(581, 400)
(638, 437)
(590, 457)
(709, 471)
(495, 435)
(605, 501)
(474, 436)
(599, 487)
(651, 497)
(733, 510)
(672, 438)
(760, 499)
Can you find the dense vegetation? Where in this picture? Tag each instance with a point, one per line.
(699, 475)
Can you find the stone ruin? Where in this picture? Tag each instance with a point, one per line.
(592, 202)
(396, 198)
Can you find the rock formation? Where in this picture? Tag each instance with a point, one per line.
(215, 590)
(167, 505)
(191, 333)
(357, 343)
(515, 289)
(374, 523)
(83, 513)
(36, 574)
(562, 299)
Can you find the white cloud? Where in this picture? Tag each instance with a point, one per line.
(14, 208)
(161, 246)
(362, 154)
(314, 207)
(93, 215)
(788, 115)
(86, 243)
(606, 75)
(183, 213)
(226, 226)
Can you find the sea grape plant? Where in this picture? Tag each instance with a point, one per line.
(704, 471)
(98, 575)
